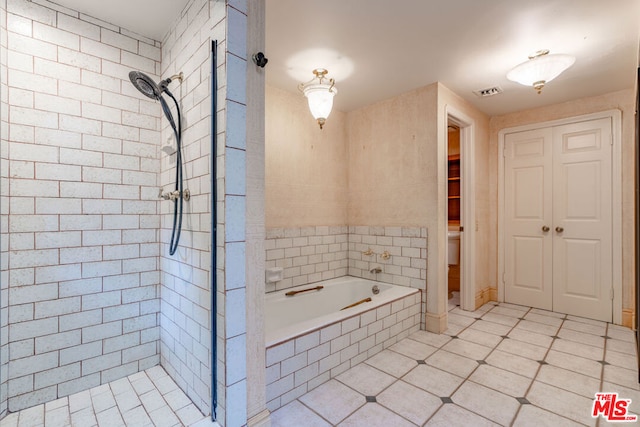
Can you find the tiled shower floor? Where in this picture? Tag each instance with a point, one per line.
(500, 365)
(148, 398)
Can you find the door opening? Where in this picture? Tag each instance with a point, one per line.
(462, 207)
(454, 202)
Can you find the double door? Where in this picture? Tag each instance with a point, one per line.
(558, 218)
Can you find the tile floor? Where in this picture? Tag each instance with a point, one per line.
(148, 398)
(500, 365)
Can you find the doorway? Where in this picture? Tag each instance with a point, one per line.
(464, 214)
(560, 216)
(454, 202)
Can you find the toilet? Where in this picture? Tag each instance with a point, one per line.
(453, 246)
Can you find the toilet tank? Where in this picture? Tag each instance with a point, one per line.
(453, 247)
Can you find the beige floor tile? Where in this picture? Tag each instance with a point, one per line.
(538, 328)
(513, 363)
(58, 417)
(479, 337)
(189, 414)
(624, 393)
(573, 363)
(435, 381)
(458, 311)
(500, 319)
(452, 363)
(458, 319)
(366, 379)
(561, 402)
(333, 400)
(434, 340)
(529, 337)
(597, 329)
(413, 349)
(582, 337)
(392, 363)
(491, 327)
(411, 402)
(623, 360)
(627, 347)
(519, 348)
(532, 416)
(547, 313)
(491, 404)
(453, 329)
(451, 415)
(296, 414)
(374, 415)
(544, 319)
(621, 376)
(510, 310)
(500, 380)
(567, 380)
(578, 349)
(621, 333)
(467, 349)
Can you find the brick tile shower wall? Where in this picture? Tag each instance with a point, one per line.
(83, 156)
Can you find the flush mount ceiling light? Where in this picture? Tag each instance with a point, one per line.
(319, 92)
(540, 69)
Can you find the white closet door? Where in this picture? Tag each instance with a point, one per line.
(528, 210)
(582, 227)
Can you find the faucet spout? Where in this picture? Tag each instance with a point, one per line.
(375, 270)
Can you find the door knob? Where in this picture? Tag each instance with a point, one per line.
(545, 228)
(559, 229)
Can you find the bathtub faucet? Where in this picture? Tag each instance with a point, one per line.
(375, 270)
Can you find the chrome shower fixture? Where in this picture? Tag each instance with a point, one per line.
(148, 87)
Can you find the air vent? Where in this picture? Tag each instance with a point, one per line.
(490, 91)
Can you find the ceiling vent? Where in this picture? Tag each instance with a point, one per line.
(490, 91)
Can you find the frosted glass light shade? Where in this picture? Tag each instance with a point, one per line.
(540, 69)
(320, 99)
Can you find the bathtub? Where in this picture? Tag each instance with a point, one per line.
(310, 340)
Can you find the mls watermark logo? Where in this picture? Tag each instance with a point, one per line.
(612, 408)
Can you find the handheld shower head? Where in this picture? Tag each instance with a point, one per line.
(145, 84)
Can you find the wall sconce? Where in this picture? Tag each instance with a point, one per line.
(319, 95)
(541, 68)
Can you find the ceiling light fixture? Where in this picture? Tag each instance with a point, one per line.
(319, 95)
(540, 69)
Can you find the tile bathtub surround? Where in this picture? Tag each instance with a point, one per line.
(302, 364)
(307, 254)
(82, 162)
(147, 398)
(500, 365)
(312, 254)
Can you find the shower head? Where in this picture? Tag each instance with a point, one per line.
(145, 84)
(148, 87)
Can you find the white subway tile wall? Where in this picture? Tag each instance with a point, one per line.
(80, 161)
(21, 98)
(185, 315)
(313, 254)
(307, 254)
(301, 364)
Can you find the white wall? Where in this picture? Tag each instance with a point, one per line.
(185, 315)
(82, 153)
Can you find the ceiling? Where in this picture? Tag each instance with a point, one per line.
(376, 49)
(149, 18)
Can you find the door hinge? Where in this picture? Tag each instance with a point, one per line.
(503, 277)
(611, 294)
(461, 228)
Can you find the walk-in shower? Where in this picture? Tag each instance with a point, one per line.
(148, 87)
